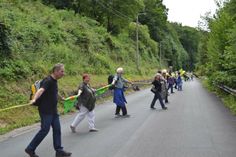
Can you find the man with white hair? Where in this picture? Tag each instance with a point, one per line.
(118, 97)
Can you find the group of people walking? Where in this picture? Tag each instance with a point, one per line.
(163, 82)
(47, 98)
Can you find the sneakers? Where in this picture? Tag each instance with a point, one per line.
(164, 108)
(153, 108)
(122, 116)
(93, 130)
(117, 115)
(31, 153)
(72, 129)
(126, 116)
(63, 153)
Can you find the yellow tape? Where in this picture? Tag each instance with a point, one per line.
(12, 107)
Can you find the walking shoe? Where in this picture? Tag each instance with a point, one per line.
(126, 116)
(72, 129)
(164, 108)
(153, 108)
(31, 153)
(93, 130)
(63, 153)
(117, 115)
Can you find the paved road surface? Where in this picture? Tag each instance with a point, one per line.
(196, 124)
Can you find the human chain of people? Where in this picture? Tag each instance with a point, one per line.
(46, 98)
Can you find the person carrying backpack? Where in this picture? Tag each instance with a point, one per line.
(47, 106)
(118, 95)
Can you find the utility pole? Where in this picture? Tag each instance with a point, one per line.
(160, 54)
(137, 46)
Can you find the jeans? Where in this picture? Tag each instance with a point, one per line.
(46, 122)
(179, 86)
(157, 96)
(170, 86)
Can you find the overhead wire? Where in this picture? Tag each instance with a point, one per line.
(118, 13)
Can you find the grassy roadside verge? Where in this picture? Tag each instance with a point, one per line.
(28, 115)
(228, 99)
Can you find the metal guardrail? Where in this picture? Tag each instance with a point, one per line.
(223, 87)
(227, 89)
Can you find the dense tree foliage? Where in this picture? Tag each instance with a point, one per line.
(155, 17)
(189, 38)
(219, 51)
(112, 14)
(116, 15)
(5, 51)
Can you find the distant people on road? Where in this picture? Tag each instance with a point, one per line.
(158, 86)
(47, 97)
(186, 77)
(164, 86)
(179, 82)
(171, 82)
(191, 76)
(118, 95)
(86, 105)
(175, 77)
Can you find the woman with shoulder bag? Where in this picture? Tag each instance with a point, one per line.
(156, 89)
(85, 104)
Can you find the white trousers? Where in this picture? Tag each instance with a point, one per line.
(81, 115)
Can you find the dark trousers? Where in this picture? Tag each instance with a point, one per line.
(170, 86)
(157, 96)
(46, 122)
(123, 108)
(166, 98)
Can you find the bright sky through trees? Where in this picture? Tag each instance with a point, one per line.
(188, 12)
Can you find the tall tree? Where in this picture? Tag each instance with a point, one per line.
(221, 56)
(5, 50)
(155, 18)
(113, 14)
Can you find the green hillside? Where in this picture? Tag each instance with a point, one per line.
(33, 37)
(36, 37)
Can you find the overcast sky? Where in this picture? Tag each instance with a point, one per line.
(188, 12)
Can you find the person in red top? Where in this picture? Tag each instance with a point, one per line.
(86, 105)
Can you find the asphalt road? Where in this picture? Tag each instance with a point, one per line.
(196, 124)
